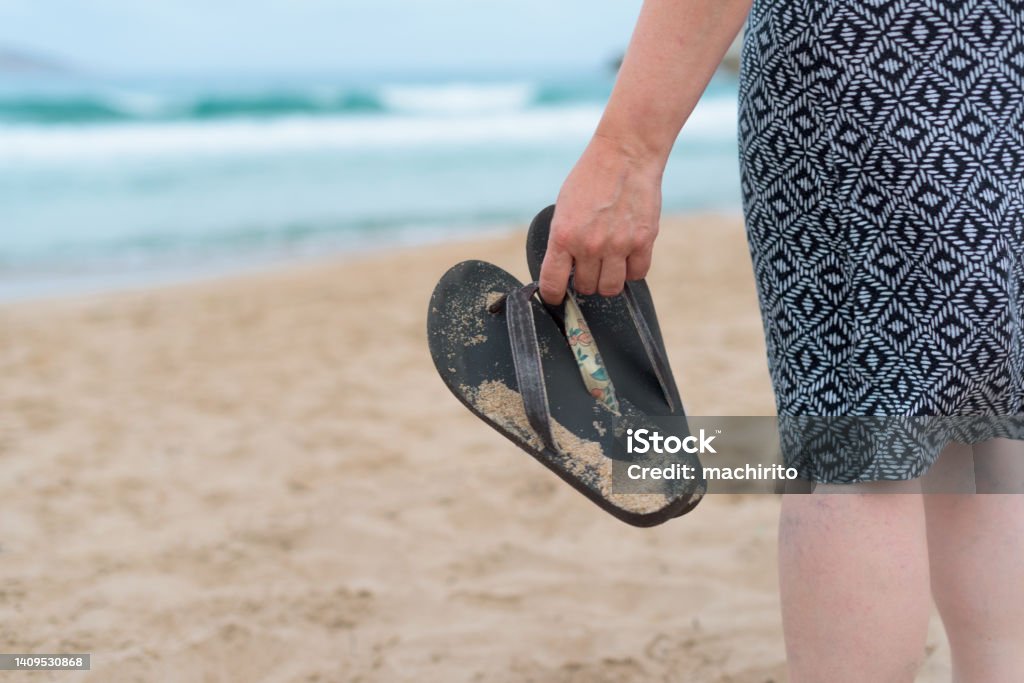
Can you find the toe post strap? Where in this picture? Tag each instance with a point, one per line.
(522, 334)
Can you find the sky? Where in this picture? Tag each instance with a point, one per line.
(168, 36)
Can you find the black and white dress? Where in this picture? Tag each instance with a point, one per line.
(882, 165)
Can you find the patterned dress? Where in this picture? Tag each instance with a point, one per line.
(882, 166)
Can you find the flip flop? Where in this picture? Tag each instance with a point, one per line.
(626, 328)
(501, 354)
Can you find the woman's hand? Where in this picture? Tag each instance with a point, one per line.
(606, 215)
(606, 219)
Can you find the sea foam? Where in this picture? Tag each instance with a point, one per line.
(713, 118)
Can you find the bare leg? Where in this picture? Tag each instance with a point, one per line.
(853, 573)
(976, 547)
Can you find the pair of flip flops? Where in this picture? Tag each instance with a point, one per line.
(566, 384)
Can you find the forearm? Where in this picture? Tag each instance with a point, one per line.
(674, 51)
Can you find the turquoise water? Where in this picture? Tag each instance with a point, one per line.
(111, 182)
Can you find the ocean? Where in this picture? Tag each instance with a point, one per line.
(110, 182)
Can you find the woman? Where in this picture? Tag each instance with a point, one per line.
(882, 160)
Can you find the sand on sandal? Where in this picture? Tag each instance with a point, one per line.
(585, 460)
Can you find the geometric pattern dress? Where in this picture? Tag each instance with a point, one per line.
(882, 168)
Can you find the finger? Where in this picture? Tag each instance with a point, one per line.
(638, 264)
(554, 275)
(588, 272)
(613, 275)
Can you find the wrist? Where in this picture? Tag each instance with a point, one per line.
(640, 153)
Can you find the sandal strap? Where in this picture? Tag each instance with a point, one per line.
(522, 332)
(654, 353)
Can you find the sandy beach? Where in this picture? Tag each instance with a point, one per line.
(262, 478)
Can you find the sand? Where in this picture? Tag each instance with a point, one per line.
(262, 478)
(583, 459)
